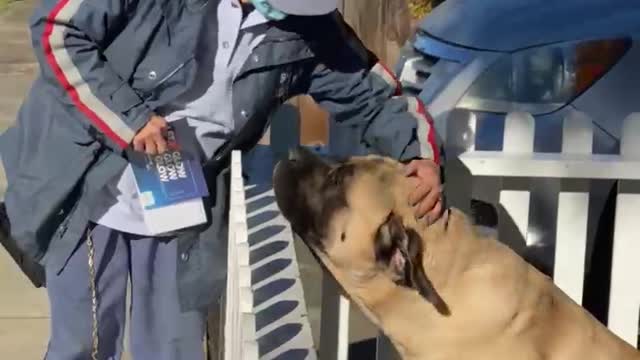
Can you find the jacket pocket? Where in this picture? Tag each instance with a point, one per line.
(171, 81)
(125, 52)
(158, 67)
(44, 193)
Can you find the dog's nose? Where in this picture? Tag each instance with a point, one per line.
(300, 153)
(294, 154)
(306, 157)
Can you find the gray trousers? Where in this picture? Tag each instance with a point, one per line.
(158, 329)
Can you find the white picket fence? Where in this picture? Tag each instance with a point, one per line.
(575, 166)
(265, 310)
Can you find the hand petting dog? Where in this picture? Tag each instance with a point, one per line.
(426, 197)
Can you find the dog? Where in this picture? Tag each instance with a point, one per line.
(443, 291)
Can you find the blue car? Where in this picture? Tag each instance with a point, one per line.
(544, 57)
(485, 58)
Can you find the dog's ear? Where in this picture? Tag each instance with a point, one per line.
(400, 249)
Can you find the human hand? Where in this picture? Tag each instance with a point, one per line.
(426, 197)
(151, 139)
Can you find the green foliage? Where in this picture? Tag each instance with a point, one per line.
(419, 8)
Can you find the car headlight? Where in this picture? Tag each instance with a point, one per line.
(542, 80)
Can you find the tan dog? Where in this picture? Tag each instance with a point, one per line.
(440, 292)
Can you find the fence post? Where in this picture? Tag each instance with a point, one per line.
(334, 326)
(460, 138)
(624, 304)
(237, 222)
(385, 349)
(519, 131)
(573, 211)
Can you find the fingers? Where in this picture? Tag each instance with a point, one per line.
(159, 122)
(138, 143)
(420, 168)
(419, 193)
(160, 143)
(426, 197)
(411, 168)
(435, 213)
(152, 138)
(150, 146)
(428, 204)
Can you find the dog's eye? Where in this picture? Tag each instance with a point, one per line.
(334, 177)
(343, 236)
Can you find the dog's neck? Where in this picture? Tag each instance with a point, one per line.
(407, 318)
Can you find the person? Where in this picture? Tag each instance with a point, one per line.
(113, 76)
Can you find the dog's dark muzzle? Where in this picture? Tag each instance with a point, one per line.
(296, 176)
(297, 183)
(301, 165)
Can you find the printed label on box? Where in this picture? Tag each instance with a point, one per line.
(169, 178)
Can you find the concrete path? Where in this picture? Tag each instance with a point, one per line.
(24, 311)
(17, 63)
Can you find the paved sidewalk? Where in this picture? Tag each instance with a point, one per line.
(24, 310)
(17, 63)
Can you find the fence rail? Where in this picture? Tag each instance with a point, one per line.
(265, 310)
(575, 167)
(240, 330)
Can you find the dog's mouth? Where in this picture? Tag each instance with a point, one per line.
(446, 216)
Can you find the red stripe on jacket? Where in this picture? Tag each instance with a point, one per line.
(69, 89)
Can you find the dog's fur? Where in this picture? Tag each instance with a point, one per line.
(439, 292)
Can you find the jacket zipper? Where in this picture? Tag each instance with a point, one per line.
(169, 75)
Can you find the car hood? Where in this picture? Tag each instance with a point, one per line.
(507, 25)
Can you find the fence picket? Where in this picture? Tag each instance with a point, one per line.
(624, 298)
(334, 332)
(572, 219)
(265, 311)
(577, 167)
(519, 132)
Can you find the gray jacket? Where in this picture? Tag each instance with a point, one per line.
(107, 64)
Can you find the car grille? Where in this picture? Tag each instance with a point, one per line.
(415, 71)
(427, 65)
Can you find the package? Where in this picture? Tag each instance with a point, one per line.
(171, 186)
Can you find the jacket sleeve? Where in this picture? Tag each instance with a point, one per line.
(68, 37)
(361, 94)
